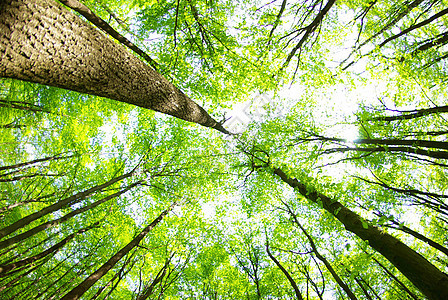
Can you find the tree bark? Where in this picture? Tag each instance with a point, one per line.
(415, 26)
(42, 42)
(32, 162)
(393, 142)
(157, 279)
(424, 275)
(401, 284)
(409, 150)
(414, 114)
(22, 106)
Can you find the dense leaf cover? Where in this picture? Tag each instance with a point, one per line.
(332, 183)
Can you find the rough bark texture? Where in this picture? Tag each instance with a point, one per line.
(425, 276)
(44, 43)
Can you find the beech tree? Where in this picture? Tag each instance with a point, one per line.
(44, 43)
(333, 184)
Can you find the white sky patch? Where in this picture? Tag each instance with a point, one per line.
(208, 209)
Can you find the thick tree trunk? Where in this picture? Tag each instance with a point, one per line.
(425, 276)
(78, 291)
(44, 43)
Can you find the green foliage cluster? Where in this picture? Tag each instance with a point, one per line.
(360, 122)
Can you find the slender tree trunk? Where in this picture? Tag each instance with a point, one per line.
(370, 288)
(22, 177)
(290, 279)
(32, 162)
(401, 284)
(415, 26)
(364, 290)
(103, 25)
(415, 234)
(113, 278)
(421, 237)
(57, 294)
(12, 282)
(60, 278)
(22, 254)
(394, 142)
(48, 274)
(22, 106)
(60, 204)
(309, 29)
(327, 264)
(409, 150)
(438, 41)
(17, 294)
(121, 274)
(4, 269)
(404, 10)
(11, 206)
(78, 291)
(425, 276)
(49, 224)
(147, 291)
(42, 42)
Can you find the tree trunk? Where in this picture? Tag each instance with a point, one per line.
(425, 276)
(60, 204)
(22, 106)
(279, 265)
(401, 284)
(28, 249)
(4, 269)
(20, 237)
(78, 291)
(394, 142)
(327, 264)
(32, 162)
(42, 42)
(19, 277)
